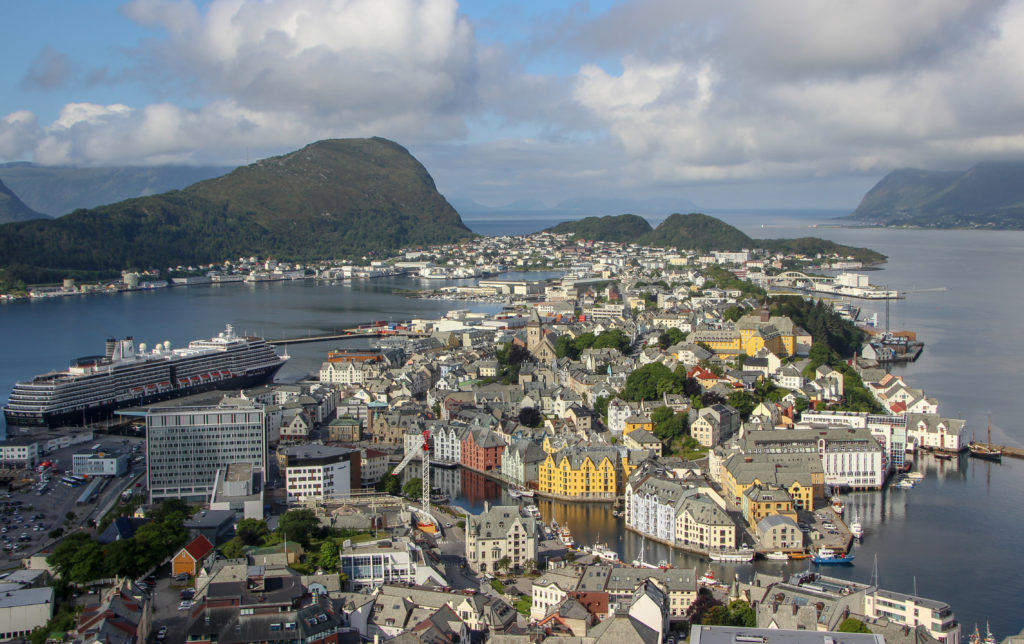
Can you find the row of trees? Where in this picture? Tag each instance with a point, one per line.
(567, 347)
(80, 559)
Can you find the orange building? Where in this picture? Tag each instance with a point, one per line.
(188, 558)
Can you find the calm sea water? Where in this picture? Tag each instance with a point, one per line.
(957, 534)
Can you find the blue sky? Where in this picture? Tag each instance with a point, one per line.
(774, 104)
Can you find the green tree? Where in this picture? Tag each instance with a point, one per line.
(716, 616)
(233, 549)
(566, 348)
(530, 416)
(674, 427)
(853, 625)
(390, 485)
(64, 556)
(733, 313)
(413, 488)
(743, 402)
(643, 383)
(503, 564)
(252, 532)
(299, 525)
(613, 339)
(742, 614)
(601, 407)
(661, 414)
(329, 556)
(123, 558)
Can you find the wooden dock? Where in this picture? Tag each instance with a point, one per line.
(347, 334)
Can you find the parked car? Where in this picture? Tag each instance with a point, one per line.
(185, 604)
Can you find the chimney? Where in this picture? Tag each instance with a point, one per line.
(765, 315)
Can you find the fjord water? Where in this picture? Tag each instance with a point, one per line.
(959, 532)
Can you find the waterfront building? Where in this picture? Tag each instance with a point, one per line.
(931, 431)
(778, 532)
(890, 430)
(482, 450)
(850, 458)
(186, 446)
(520, 462)
(650, 503)
(702, 523)
(447, 439)
(580, 472)
(500, 532)
(321, 472)
(389, 561)
(349, 373)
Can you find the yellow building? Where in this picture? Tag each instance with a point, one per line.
(765, 331)
(724, 342)
(638, 422)
(760, 502)
(800, 475)
(581, 472)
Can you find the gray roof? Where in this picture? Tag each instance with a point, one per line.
(27, 597)
(700, 634)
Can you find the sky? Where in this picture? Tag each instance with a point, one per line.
(729, 104)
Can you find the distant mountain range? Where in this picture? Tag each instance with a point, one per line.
(14, 209)
(697, 231)
(989, 195)
(58, 190)
(581, 205)
(333, 198)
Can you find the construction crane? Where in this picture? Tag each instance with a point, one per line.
(423, 453)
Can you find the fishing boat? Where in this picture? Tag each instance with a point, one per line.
(799, 555)
(778, 555)
(856, 529)
(565, 536)
(829, 556)
(732, 555)
(708, 579)
(917, 476)
(985, 451)
(942, 456)
(604, 553)
(837, 505)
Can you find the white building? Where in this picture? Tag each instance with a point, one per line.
(186, 446)
(447, 441)
(239, 488)
(21, 611)
(100, 460)
(851, 458)
(650, 506)
(19, 452)
(497, 533)
(320, 472)
(388, 562)
(908, 610)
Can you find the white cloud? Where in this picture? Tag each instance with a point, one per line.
(659, 94)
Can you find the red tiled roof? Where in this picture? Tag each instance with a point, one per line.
(199, 548)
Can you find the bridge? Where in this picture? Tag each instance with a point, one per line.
(791, 278)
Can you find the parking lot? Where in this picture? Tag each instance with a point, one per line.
(27, 516)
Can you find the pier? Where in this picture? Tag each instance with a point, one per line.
(345, 334)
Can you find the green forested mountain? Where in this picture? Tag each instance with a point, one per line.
(697, 231)
(14, 209)
(333, 198)
(989, 195)
(58, 190)
(608, 228)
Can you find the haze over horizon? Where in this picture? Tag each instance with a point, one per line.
(775, 104)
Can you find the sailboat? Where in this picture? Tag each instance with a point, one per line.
(639, 562)
(985, 450)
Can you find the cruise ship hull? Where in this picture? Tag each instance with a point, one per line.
(103, 412)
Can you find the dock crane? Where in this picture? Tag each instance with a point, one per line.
(423, 453)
